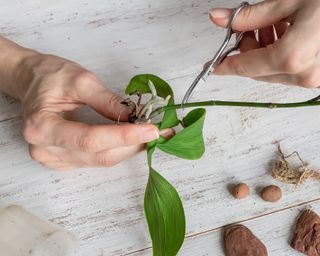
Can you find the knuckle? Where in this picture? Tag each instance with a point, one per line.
(247, 13)
(33, 130)
(311, 80)
(238, 68)
(126, 137)
(85, 78)
(29, 133)
(293, 62)
(114, 101)
(88, 142)
(37, 154)
(106, 159)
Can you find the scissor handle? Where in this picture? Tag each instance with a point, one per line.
(232, 49)
(220, 55)
(235, 14)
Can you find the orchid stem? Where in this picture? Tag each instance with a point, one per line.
(309, 103)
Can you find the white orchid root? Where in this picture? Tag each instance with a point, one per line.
(141, 113)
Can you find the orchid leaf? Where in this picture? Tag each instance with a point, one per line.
(188, 143)
(165, 215)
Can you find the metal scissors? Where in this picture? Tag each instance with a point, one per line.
(221, 54)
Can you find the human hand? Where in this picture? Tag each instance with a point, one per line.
(288, 46)
(50, 86)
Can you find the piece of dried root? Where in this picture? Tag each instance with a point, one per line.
(286, 173)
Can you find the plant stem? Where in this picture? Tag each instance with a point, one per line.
(309, 103)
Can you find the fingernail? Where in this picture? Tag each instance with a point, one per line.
(149, 134)
(220, 13)
(167, 133)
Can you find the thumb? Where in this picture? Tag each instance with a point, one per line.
(109, 105)
(102, 100)
(255, 16)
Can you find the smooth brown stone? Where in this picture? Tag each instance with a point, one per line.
(240, 241)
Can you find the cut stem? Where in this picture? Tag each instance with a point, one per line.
(309, 103)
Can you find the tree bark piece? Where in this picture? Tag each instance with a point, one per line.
(306, 238)
(240, 241)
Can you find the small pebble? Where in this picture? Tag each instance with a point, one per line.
(240, 191)
(271, 193)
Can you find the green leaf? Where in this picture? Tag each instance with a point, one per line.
(165, 215)
(140, 83)
(188, 143)
(151, 146)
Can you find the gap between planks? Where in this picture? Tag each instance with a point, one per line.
(240, 221)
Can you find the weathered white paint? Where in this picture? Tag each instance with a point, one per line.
(104, 208)
(273, 230)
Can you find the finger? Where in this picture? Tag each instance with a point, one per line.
(52, 130)
(168, 133)
(275, 59)
(279, 79)
(94, 94)
(114, 156)
(258, 62)
(206, 65)
(43, 155)
(255, 16)
(80, 137)
(249, 42)
(308, 79)
(57, 166)
(60, 158)
(50, 160)
(266, 36)
(55, 158)
(281, 28)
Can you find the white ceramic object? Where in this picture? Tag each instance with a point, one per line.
(23, 233)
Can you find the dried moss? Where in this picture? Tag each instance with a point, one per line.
(287, 173)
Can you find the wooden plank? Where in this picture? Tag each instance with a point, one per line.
(104, 208)
(274, 230)
(117, 39)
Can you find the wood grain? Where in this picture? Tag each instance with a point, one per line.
(274, 230)
(104, 207)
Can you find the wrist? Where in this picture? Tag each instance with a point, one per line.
(12, 57)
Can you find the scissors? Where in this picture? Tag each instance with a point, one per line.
(221, 54)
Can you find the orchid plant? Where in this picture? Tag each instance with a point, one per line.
(163, 207)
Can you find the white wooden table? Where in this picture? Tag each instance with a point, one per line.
(117, 39)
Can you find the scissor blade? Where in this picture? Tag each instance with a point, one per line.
(199, 79)
(219, 56)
